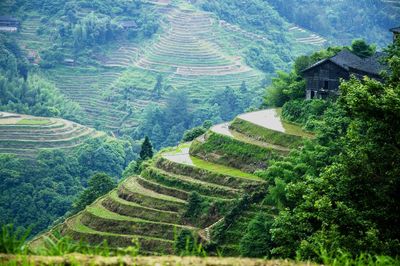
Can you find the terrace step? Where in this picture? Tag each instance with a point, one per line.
(132, 191)
(189, 184)
(99, 218)
(78, 231)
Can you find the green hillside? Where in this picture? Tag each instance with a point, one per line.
(26, 136)
(117, 76)
(219, 168)
(46, 163)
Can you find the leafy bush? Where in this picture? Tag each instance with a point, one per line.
(12, 241)
(306, 113)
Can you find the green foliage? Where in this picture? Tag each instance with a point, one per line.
(12, 241)
(339, 257)
(196, 132)
(187, 244)
(265, 134)
(193, 133)
(256, 241)
(340, 190)
(342, 20)
(194, 206)
(57, 245)
(29, 94)
(37, 193)
(306, 113)
(98, 185)
(146, 151)
(285, 87)
(362, 49)
(258, 57)
(232, 152)
(259, 17)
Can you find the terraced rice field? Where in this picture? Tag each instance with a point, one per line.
(87, 87)
(29, 39)
(25, 135)
(150, 207)
(303, 36)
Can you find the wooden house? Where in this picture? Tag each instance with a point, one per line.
(6, 21)
(396, 33)
(9, 24)
(323, 78)
(128, 24)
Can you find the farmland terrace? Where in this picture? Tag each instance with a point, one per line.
(25, 135)
(220, 166)
(194, 51)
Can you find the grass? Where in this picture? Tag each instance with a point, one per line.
(233, 152)
(189, 184)
(135, 187)
(266, 135)
(33, 121)
(294, 129)
(221, 169)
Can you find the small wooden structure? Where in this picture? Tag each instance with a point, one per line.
(323, 78)
(128, 24)
(396, 33)
(9, 24)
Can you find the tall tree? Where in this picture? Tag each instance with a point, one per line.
(362, 49)
(146, 151)
(98, 185)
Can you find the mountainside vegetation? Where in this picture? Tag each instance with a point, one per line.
(180, 127)
(46, 162)
(343, 20)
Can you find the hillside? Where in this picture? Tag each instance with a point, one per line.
(193, 52)
(26, 135)
(45, 163)
(191, 188)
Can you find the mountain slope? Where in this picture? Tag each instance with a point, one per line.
(193, 51)
(26, 136)
(157, 206)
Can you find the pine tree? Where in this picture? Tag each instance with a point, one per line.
(147, 149)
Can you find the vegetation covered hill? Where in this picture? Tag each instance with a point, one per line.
(46, 162)
(191, 190)
(26, 135)
(122, 77)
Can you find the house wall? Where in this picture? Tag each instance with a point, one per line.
(324, 80)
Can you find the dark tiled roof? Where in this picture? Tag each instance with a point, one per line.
(347, 60)
(397, 30)
(8, 18)
(128, 24)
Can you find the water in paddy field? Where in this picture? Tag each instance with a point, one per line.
(267, 118)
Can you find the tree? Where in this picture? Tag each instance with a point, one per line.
(362, 49)
(99, 184)
(146, 151)
(256, 241)
(157, 90)
(243, 87)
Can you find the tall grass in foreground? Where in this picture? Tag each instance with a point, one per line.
(346, 259)
(12, 240)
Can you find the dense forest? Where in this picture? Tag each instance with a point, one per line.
(36, 194)
(343, 20)
(338, 193)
